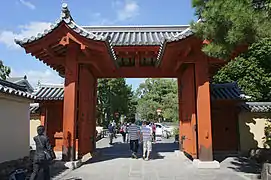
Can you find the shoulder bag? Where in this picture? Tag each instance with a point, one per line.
(47, 155)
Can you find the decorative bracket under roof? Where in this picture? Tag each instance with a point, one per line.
(183, 35)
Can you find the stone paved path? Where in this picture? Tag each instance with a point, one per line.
(114, 163)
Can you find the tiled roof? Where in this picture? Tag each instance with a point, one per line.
(14, 89)
(137, 35)
(68, 20)
(21, 81)
(225, 91)
(50, 92)
(14, 79)
(218, 91)
(257, 106)
(34, 108)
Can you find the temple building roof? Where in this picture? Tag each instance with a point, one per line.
(118, 35)
(137, 35)
(10, 88)
(21, 81)
(68, 20)
(228, 91)
(50, 92)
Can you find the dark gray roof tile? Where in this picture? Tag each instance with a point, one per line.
(257, 106)
(50, 92)
(137, 35)
(14, 89)
(225, 91)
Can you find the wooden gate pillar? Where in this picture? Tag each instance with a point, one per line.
(204, 111)
(70, 103)
(93, 115)
(86, 122)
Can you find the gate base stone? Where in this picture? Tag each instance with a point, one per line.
(206, 164)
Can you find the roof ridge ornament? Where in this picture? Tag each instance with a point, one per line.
(65, 12)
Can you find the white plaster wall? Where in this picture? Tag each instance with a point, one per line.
(14, 127)
(34, 123)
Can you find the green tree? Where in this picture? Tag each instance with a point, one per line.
(158, 93)
(114, 96)
(4, 71)
(251, 70)
(228, 24)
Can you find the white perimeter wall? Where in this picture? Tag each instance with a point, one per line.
(14, 127)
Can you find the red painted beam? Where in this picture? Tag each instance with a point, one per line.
(136, 48)
(139, 72)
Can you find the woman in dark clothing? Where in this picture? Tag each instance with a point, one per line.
(41, 160)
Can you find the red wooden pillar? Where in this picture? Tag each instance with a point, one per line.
(203, 111)
(85, 111)
(43, 116)
(70, 103)
(93, 120)
(180, 111)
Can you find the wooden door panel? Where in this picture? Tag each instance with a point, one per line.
(188, 111)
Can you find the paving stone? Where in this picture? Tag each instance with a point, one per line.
(115, 163)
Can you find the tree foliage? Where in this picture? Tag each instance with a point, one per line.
(114, 96)
(158, 93)
(252, 71)
(4, 71)
(228, 24)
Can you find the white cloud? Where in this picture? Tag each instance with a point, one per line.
(129, 9)
(47, 76)
(25, 31)
(99, 20)
(28, 4)
(124, 10)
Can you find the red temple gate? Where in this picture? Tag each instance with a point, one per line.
(84, 54)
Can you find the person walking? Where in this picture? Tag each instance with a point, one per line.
(146, 137)
(123, 132)
(153, 132)
(43, 155)
(134, 134)
(114, 128)
(127, 130)
(111, 133)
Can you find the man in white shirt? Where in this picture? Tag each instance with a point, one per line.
(146, 136)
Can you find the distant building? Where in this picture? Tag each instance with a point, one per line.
(22, 81)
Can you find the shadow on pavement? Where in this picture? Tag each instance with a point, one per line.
(122, 150)
(57, 168)
(243, 164)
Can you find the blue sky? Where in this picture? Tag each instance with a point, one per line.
(23, 18)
